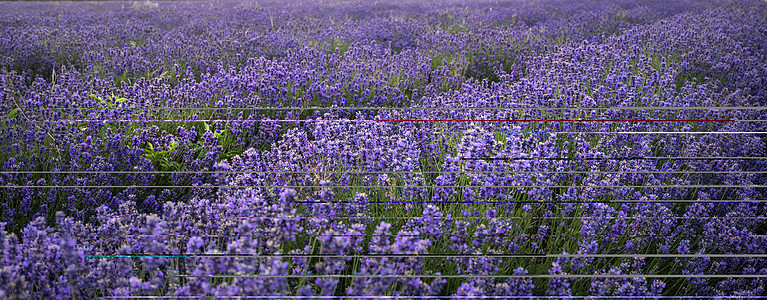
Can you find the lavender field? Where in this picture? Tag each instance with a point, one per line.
(390, 149)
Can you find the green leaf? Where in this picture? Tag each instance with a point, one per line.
(95, 98)
(121, 100)
(13, 113)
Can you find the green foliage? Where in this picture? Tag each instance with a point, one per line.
(162, 158)
(12, 114)
(340, 44)
(108, 101)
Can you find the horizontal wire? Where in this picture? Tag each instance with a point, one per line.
(544, 201)
(479, 235)
(382, 172)
(383, 187)
(616, 132)
(560, 120)
(582, 132)
(496, 131)
(500, 217)
(621, 158)
(257, 255)
(436, 297)
(493, 276)
(400, 186)
(422, 120)
(430, 108)
(620, 132)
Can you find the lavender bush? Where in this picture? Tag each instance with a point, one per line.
(453, 149)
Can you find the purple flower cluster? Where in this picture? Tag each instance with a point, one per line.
(391, 148)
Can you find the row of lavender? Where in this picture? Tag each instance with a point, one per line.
(195, 139)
